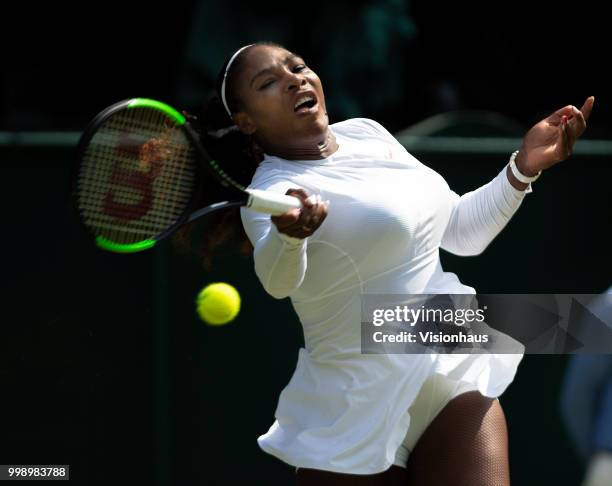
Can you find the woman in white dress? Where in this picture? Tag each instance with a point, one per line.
(373, 221)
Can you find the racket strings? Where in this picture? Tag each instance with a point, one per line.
(137, 176)
(129, 187)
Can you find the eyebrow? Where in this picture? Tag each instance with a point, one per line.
(267, 70)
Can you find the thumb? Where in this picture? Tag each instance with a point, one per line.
(587, 107)
(286, 219)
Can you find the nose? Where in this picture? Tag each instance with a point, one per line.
(295, 81)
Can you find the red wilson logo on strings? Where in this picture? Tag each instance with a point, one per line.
(146, 165)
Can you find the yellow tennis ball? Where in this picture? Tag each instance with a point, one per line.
(218, 303)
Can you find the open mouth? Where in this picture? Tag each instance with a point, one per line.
(305, 104)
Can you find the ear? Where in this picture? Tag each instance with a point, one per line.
(244, 123)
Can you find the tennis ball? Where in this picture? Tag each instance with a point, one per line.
(218, 303)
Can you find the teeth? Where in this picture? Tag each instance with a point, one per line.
(303, 99)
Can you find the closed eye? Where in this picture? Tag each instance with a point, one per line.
(266, 84)
(296, 69)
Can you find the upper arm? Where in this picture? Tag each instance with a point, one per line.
(478, 216)
(280, 265)
(257, 225)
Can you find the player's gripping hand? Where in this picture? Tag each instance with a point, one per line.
(301, 223)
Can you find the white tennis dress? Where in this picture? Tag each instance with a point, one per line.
(389, 215)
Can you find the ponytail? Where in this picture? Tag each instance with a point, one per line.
(238, 156)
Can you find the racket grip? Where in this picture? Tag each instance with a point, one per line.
(270, 202)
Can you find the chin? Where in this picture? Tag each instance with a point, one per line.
(320, 122)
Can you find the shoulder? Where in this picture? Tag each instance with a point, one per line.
(269, 173)
(375, 135)
(362, 126)
(274, 174)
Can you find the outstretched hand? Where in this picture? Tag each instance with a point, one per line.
(552, 140)
(301, 223)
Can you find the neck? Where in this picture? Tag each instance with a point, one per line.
(316, 149)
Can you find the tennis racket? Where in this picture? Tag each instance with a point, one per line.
(140, 172)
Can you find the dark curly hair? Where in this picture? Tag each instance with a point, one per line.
(237, 154)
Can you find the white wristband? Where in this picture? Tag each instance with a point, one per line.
(523, 178)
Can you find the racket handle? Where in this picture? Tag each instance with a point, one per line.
(271, 202)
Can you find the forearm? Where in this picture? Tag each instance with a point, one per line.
(280, 263)
(480, 215)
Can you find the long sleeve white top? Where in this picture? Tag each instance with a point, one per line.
(388, 217)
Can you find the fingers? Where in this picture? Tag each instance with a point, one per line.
(577, 123)
(287, 219)
(574, 124)
(558, 115)
(311, 217)
(301, 194)
(301, 223)
(571, 111)
(567, 143)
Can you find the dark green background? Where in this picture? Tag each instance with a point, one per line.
(105, 366)
(103, 362)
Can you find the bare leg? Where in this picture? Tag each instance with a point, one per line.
(465, 445)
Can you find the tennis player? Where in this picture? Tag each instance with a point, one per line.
(373, 221)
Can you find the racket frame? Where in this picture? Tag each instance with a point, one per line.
(251, 198)
(82, 146)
